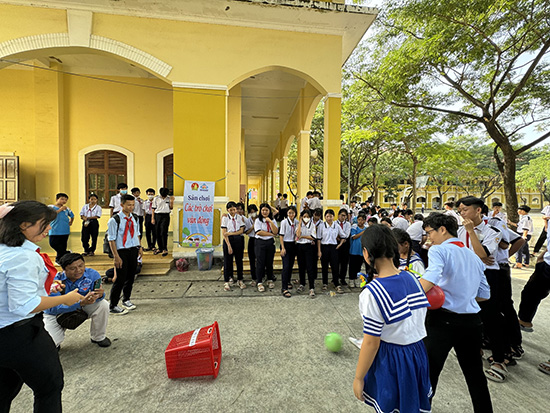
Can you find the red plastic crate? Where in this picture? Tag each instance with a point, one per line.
(195, 353)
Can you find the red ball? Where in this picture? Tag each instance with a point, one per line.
(436, 297)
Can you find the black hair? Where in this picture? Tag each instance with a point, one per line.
(436, 220)
(230, 204)
(341, 197)
(265, 205)
(91, 195)
(485, 210)
(401, 237)
(305, 212)
(363, 203)
(309, 193)
(285, 196)
(251, 208)
(329, 212)
(450, 204)
(122, 185)
(383, 213)
(69, 258)
(319, 211)
(241, 205)
(136, 189)
(419, 217)
(408, 212)
(279, 194)
(124, 198)
(386, 219)
(372, 220)
(164, 192)
(343, 211)
(379, 242)
(150, 190)
(292, 208)
(24, 211)
(353, 200)
(525, 208)
(316, 193)
(373, 211)
(497, 204)
(471, 201)
(61, 195)
(393, 203)
(364, 216)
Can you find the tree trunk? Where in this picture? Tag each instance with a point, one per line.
(415, 168)
(508, 173)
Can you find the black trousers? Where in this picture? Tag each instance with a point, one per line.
(463, 332)
(59, 244)
(355, 264)
(307, 261)
(343, 260)
(288, 264)
(536, 289)
(90, 231)
(506, 307)
(162, 221)
(494, 322)
(237, 245)
(150, 232)
(522, 256)
(265, 252)
(140, 224)
(29, 356)
(329, 255)
(125, 276)
(252, 257)
(540, 242)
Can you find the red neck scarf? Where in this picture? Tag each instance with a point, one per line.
(129, 227)
(52, 271)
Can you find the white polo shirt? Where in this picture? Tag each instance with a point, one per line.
(161, 206)
(115, 203)
(416, 231)
(314, 203)
(138, 207)
(232, 223)
(328, 234)
(148, 206)
(88, 212)
(400, 222)
(288, 229)
(307, 230)
(525, 223)
(488, 236)
(249, 223)
(345, 226)
(260, 225)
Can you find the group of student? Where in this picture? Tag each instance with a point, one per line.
(153, 212)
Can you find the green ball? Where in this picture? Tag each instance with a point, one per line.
(333, 342)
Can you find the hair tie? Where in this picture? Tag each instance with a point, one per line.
(4, 210)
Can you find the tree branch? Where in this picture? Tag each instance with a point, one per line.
(535, 142)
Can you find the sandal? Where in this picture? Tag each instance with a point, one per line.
(242, 285)
(165, 253)
(545, 367)
(290, 286)
(339, 290)
(497, 374)
(527, 329)
(270, 285)
(226, 287)
(312, 293)
(253, 283)
(156, 252)
(325, 287)
(517, 352)
(300, 289)
(261, 288)
(286, 294)
(508, 360)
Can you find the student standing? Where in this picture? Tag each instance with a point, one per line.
(417, 234)
(356, 259)
(249, 230)
(343, 251)
(150, 230)
(306, 250)
(408, 259)
(61, 226)
(287, 236)
(392, 373)
(265, 229)
(459, 272)
(543, 234)
(162, 206)
(123, 237)
(115, 201)
(328, 245)
(284, 207)
(28, 353)
(233, 246)
(90, 214)
(139, 209)
(525, 229)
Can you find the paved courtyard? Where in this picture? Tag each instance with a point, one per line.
(274, 358)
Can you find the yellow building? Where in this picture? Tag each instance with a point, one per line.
(151, 93)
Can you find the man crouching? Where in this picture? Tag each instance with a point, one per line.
(76, 276)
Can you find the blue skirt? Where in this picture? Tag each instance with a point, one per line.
(399, 379)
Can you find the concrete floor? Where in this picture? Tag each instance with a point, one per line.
(274, 358)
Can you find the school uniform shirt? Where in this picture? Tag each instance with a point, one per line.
(284, 203)
(22, 277)
(288, 229)
(84, 284)
(328, 234)
(508, 236)
(148, 206)
(416, 265)
(60, 225)
(546, 211)
(118, 236)
(307, 230)
(501, 215)
(355, 247)
(355, 211)
(303, 203)
(260, 225)
(488, 236)
(459, 272)
(525, 223)
(88, 212)
(115, 203)
(455, 215)
(138, 207)
(232, 224)
(546, 254)
(416, 231)
(346, 227)
(249, 223)
(346, 207)
(400, 222)
(314, 203)
(161, 206)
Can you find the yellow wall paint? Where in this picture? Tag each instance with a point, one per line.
(21, 21)
(331, 170)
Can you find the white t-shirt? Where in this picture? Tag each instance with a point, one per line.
(260, 225)
(233, 224)
(115, 203)
(139, 207)
(400, 222)
(288, 229)
(161, 206)
(307, 230)
(415, 231)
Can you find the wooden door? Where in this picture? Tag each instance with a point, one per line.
(9, 179)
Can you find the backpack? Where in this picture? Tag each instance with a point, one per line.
(106, 245)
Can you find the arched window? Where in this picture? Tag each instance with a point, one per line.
(104, 171)
(389, 199)
(535, 200)
(168, 168)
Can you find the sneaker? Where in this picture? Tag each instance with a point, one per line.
(312, 293)
(102, 343)
(242, 285)
(339, 290)
(128, 305)
(227, 287)
(252, 283)
(116, 310)
(231, 281)
(300, 289)
(357, 342)
(325, 287)
(261, 287)
(270, 285)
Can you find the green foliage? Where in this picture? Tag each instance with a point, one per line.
(535, 175)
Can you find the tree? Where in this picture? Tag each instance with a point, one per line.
(536, 174)
(480, 65)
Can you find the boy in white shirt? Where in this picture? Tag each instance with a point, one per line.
(525, 229)
(150, 230)
(114, 203)
(138, 208)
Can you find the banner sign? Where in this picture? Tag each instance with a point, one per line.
(198, 214)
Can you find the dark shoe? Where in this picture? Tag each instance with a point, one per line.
(165, 253)
(517, 352)
(103, 343)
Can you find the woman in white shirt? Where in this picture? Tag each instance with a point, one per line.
(162, 206)
(306, 251)
(251, 248)
(328, 233)
(287, 236)
(90, 213)
(265, 229)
